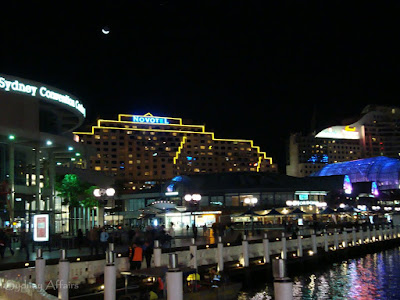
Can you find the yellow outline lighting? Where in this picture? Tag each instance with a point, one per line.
(262, 155)
(350, 128)
(152, 124)
(180, 149)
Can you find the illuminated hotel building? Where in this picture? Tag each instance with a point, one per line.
(376, 133)
(143, 150)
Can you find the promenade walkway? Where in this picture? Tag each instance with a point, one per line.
(182, 239)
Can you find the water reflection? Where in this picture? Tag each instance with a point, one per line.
(373, 277)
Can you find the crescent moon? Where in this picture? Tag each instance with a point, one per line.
(105, 31)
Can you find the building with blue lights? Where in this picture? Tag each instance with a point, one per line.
(383, 171)
(375, 133)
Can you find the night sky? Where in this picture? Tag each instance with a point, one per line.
(250, 69)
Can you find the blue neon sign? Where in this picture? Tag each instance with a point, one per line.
(151, 120)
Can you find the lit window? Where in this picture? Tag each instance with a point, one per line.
(97, 168)
(97, 137)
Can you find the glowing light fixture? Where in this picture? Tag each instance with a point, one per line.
(11, 137)
(49, 143)
(110, 192)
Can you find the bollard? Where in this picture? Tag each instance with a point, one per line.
(336, 239)
(63, 275)
(245, 250)
(284, 247)
(283, 285)
(361, 236)
(193, 254)
(368, 235)
(266, 248)
(374, 234)
(326, 245)
(381, 233)
(110, 277)
(111, 247)
(174, 279)
(220, 254)
(40, 267)
(299, 245)
(157, 253)
(384, 232)
(354, 236)
(345, 238)
(314, 243)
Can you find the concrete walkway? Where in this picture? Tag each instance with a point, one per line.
(12, 261)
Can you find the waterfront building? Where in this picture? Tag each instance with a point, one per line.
(215, 197)
(144, 150)
(375, 133)
(36, 124)
(376, 178)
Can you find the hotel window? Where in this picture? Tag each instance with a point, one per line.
(97, 168)
(97, 137)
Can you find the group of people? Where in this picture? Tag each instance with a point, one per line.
(96, 237)
(142, 244)
(6, 236)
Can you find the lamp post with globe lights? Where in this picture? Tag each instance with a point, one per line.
(251, 202)
(102, 195)
(193, 200)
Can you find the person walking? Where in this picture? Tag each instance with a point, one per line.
(80, 238)
(2, 243)
(135, 256)
(104, 239)
(148, 252)
(194, 228)
(9, 237)
(24, 239)
(93, 240)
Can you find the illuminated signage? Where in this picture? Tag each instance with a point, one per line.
(339, 132)
(306, 202)
(171, 194)
(151, 120)
(41, 228)
(40, 92)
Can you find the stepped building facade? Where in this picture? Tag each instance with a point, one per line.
(144, 150)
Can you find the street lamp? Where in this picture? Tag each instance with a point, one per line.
(251, 202)
(102, 193)
(193, 199)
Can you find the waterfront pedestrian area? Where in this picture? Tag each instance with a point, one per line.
(236, 259)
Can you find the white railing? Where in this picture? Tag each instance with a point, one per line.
(80, 272)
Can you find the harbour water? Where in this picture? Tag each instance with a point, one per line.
(373, 277)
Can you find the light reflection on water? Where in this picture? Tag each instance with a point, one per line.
(373, 277)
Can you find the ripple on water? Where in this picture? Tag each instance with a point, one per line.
(373, 277)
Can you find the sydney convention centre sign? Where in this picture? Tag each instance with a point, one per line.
(16, 85)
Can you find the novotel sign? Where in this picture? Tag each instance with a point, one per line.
(40, 92)
(151, 120)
